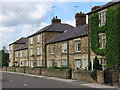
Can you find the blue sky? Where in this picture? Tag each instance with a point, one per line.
(21, 19)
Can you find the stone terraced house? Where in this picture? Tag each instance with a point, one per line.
(12, 47)
(21, 56)
(37, 41)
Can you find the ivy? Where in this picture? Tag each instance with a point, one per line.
(112, 30)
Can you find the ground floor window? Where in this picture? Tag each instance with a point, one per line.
(62, 63)
(31, 63)
(77, 64)
(50, 63)
(103, 63)
(39, 63)
(85, 64)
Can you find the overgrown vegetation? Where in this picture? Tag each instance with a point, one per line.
(4, 57)
(112, 30)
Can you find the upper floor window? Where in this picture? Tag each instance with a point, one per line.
(31, 52)
(64, 48)
(38, 38)
(20, 53)
(77, 46)
(10, 47)
(52, 49)
(25, 53)
(17, 54)
(102, 40)
(31, 40)
(102, 17)
(38, 51)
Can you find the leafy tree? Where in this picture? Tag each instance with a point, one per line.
(96, 64)
(4, 57)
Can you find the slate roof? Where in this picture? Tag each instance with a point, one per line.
(71, 33)
(20, 41)
(105, 6)
(55, 27)
(23, 47)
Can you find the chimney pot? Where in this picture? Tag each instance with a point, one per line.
(55, 20)
(80, 19)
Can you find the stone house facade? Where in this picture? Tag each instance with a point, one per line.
(103, 32)
(37, 41)
(71, 48)
(12, 48)
(21, 56)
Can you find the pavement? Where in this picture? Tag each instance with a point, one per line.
(21, 80)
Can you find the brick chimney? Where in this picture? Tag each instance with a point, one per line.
(56, 20)
(95, 7)
(80, 19)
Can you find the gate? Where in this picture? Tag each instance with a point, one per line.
(111, 76)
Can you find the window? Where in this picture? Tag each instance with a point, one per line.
(31, 40)
(31, 63)
(77, 46)
(38, 38)
(50, 63)
(38, 51)
(102, 17)
(52, 49)
(31, 52)
(25, 53)
(64, 48)
(102, 40)
(77, 64)
(20, 53)
(64, 62)
(17, 54)
(39, 63)
(10, 47)
(103, 63)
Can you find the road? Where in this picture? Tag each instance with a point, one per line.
(20, 81)
(12, 80)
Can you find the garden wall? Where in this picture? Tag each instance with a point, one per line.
(61, 73)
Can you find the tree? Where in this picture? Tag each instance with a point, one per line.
(4, 57)
(96, 64)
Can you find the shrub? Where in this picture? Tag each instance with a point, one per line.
(96, 64)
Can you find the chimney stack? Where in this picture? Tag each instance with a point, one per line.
(95, 7)
(80, 19)
(56, 20)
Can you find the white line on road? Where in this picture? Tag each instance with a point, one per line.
(11, 80)
(25, 85)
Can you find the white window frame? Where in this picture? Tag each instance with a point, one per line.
(25, 53)
(53, 49)
(21, 54)
(38, 50)
(77, 47)
(39, 63)
(64, 47)
(38, 38)
(64, 62)
(78, 63)
(31, 52)
(102, 40)
(31, 40)
(102, 18)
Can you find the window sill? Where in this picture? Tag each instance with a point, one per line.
(77, 52)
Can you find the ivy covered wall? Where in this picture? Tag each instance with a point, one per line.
(112, 30)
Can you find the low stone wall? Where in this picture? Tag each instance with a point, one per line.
(100, 77)
(36, 71)
(20, 70)
(11, 69)
(62, 73)
(4, 68)
(82, 75)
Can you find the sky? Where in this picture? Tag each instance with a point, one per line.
(21, 19)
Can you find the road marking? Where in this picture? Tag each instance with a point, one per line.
(11, 80)
(25, 85)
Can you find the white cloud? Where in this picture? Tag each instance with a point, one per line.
(21, 20)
